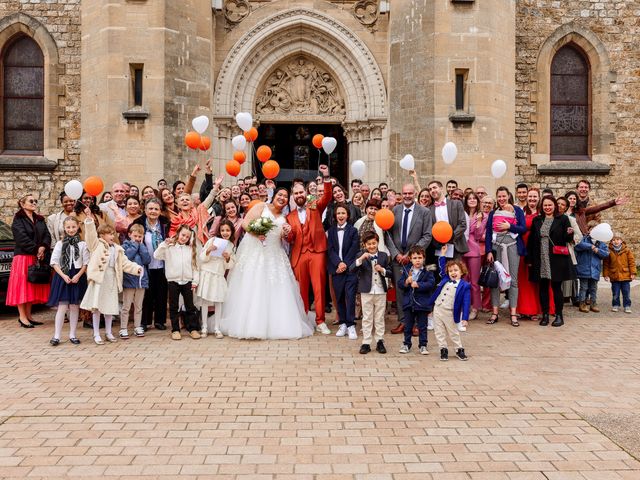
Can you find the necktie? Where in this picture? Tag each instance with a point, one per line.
(405, 228)
(441, 204)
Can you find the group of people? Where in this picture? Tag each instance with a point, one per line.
(251, 260)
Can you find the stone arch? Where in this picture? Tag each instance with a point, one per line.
(601, 78)
(312, 33)
(20, 23)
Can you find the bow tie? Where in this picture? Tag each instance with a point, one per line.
(373, 257)
(441, 204)
(453, 281)
(341, 227)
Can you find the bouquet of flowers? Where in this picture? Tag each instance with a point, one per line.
(311, 201)
(261, 226)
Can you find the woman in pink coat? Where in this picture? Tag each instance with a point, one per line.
(477, 222)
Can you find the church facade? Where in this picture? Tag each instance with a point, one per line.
(109, 88)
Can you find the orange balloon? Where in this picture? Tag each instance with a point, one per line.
(317, 140)
(239, 156)
(93, 186)
(263, 153)
(271, 169)
(251, 135)
(384, 218)
(192, 140)
(442, 232)
(233, 168)
(205, 143)
(252, 204)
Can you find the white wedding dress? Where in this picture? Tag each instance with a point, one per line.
(263, 298)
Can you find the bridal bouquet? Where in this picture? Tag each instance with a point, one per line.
(311, 202)
(261, 226)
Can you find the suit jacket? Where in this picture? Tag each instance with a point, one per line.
(462, 300)
(350, 247)
(419, 232)
(417, 299)
(458, 222)
(312, 226)
(365, 271)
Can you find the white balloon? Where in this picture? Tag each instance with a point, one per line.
(239, 142)
(73, 189)
(408, 162)
(449, 153)
(200, 124)
(358, 168)
(244, 121)
(498, 168)
(602, 233)
(329, 145)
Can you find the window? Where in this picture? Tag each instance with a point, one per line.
(461, 89)
(136, 76)
(22, 97)
(570, 105)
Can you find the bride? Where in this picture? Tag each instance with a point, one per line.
(263, 299)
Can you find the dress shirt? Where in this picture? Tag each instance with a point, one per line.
(409, 217)
(441, 212)
(340, 239)
(302, 214)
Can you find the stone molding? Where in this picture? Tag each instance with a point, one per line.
(602, 104)
(21, 23)
(367, 13)
(235, 11)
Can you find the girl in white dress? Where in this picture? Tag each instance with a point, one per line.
(263, 299)
(212, 288)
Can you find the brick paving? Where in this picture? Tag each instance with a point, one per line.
(316, 409)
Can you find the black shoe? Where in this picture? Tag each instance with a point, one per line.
(35, 323)
(461, 355)
(365, 348)
(558, 322)
(87, 325)
(444, 354)
(545, 320)
(75, 341)
(380, 347)
(25, 325)
(160, 326)
(54, 342)
(328, 309)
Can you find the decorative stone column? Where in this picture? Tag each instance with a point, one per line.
(368, 141)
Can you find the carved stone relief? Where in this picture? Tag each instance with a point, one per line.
(235, 11)
(300, 87)
(366, 11)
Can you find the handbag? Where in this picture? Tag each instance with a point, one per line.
(558, 249)
(40, 273)
(488, 277)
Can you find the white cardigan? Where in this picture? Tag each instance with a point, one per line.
(178, 263)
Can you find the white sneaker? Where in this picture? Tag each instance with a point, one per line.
(404, 349)
(342, 331)
(138, 332)
(111, 338)
(218, 334)
(429, 322)
(627, 310)
(461, 327)
(505, 304)
(203, 333)
(424, 351)
(353, 335)
(614, 309)
(98, 340)
(124, 334)
(322, 328)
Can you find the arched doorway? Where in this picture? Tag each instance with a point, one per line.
(304, 69)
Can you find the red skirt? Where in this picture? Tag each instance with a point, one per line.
(21, 291)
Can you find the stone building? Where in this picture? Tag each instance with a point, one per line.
(548, 86)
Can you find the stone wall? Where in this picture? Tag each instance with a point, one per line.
(614, 27)
(61, 18)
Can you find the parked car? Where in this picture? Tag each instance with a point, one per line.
(6, 257)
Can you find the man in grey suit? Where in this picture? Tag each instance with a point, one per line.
(412, 226)
(451, 211)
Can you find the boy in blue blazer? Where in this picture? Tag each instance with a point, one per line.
(342, 248)
(450, 305)
(417, 285)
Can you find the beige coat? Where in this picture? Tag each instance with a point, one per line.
(100, 257)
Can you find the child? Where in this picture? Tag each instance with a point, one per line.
(589, 253)
(342, 248)
(212, 287)
(106, 266)
(69, 261)
(179, 255)
(371, 266)
(134, 287)
(620, 269)
(417, 284)
(451, 302)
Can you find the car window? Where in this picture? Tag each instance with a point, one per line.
(5, 232)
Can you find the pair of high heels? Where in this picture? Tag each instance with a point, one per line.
(31, 324)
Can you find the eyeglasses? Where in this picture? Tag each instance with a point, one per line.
(33, 201)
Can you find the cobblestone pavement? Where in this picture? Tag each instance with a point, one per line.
(316, 409)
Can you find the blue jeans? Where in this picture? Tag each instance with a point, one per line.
(410, 319)
(588, 289)
(625, 288)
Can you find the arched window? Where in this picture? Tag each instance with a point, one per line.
(570, 105)
(22, 97)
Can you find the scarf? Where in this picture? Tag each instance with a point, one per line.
(69, 249)
(617, 249)
(156, 237)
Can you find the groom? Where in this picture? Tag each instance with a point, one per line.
(309, 246)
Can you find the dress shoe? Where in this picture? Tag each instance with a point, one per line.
(160, 326)
(364, 349)
(545, 320)
(24, 325)
(380, 348)
(398, 329)
(328, 309)
(195, 334)
(75, 341)
(36, 323)
(54, 342)
(558, 321)
(594, 308)
(87, 325)
(583, 307)
(176, 335)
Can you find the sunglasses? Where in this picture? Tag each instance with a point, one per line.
(32, 201)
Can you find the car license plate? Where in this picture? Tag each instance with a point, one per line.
(5, 267)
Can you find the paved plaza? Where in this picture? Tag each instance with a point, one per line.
(532, 403)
